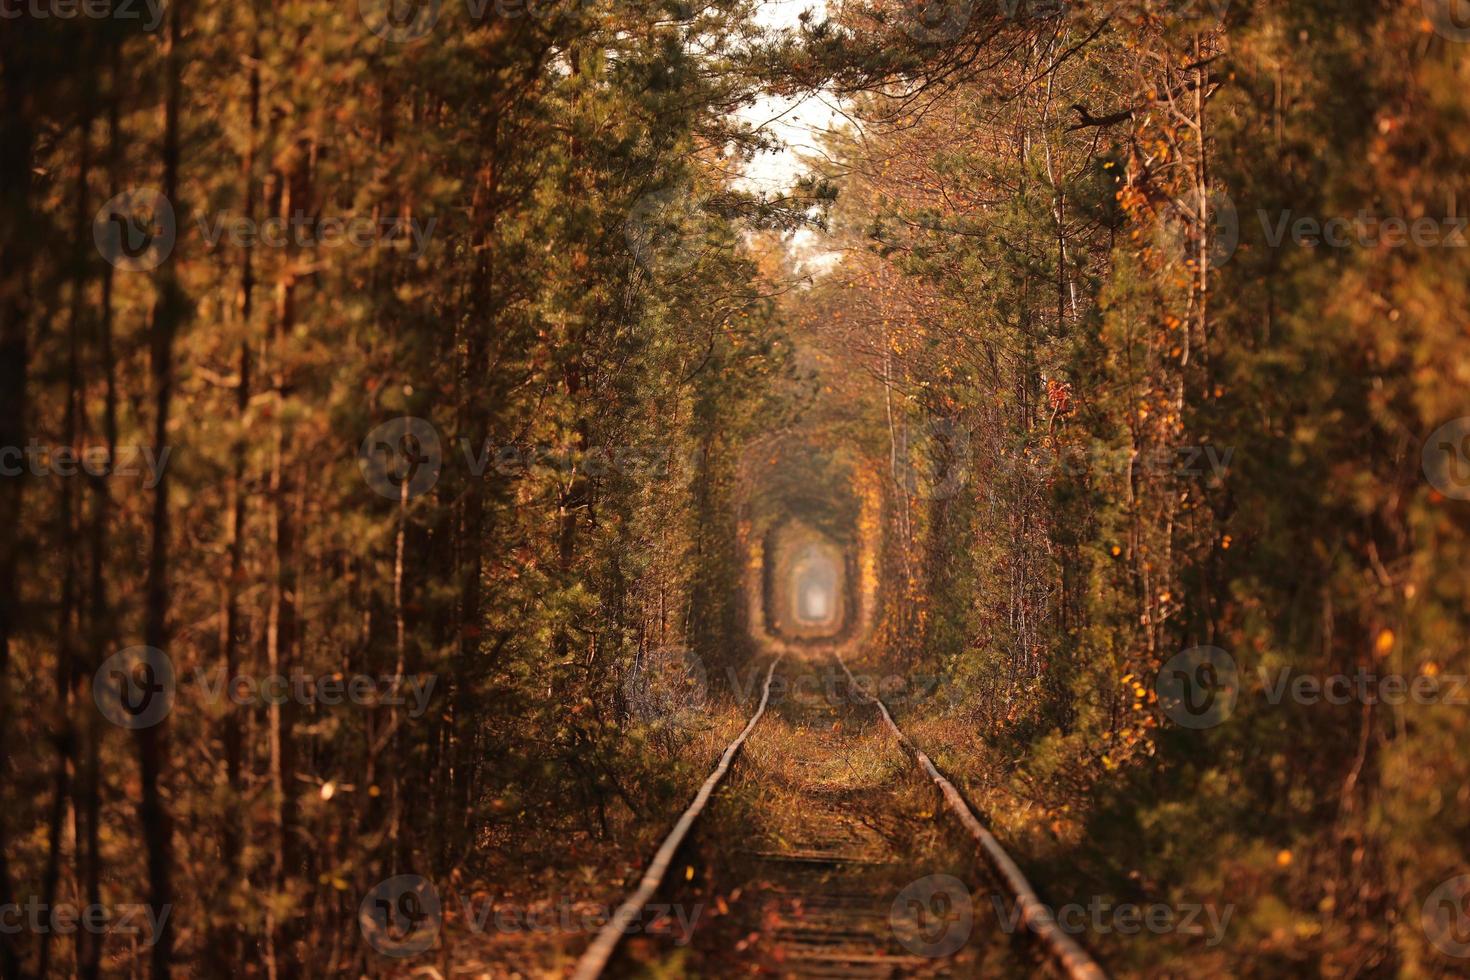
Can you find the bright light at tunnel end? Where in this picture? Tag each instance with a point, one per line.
(814, 586)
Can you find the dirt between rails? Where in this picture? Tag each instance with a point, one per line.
(826, 854)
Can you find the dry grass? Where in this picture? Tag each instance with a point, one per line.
(552, 886)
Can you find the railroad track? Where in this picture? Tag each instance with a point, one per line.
(826, 876)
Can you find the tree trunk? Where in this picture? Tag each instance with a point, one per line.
(17, 139)
(223, 947)
(281, 622)
(100, 631)
(69, 673)
(168, 315)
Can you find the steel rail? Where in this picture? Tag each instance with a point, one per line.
(596, 957)
(1069, 955)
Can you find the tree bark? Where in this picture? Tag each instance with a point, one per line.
(169, 312)
(69, 672)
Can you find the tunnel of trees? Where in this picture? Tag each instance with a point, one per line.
(801, 519)
(543, 461)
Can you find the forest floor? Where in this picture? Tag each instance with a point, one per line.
(825, 855)
(534, 902)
